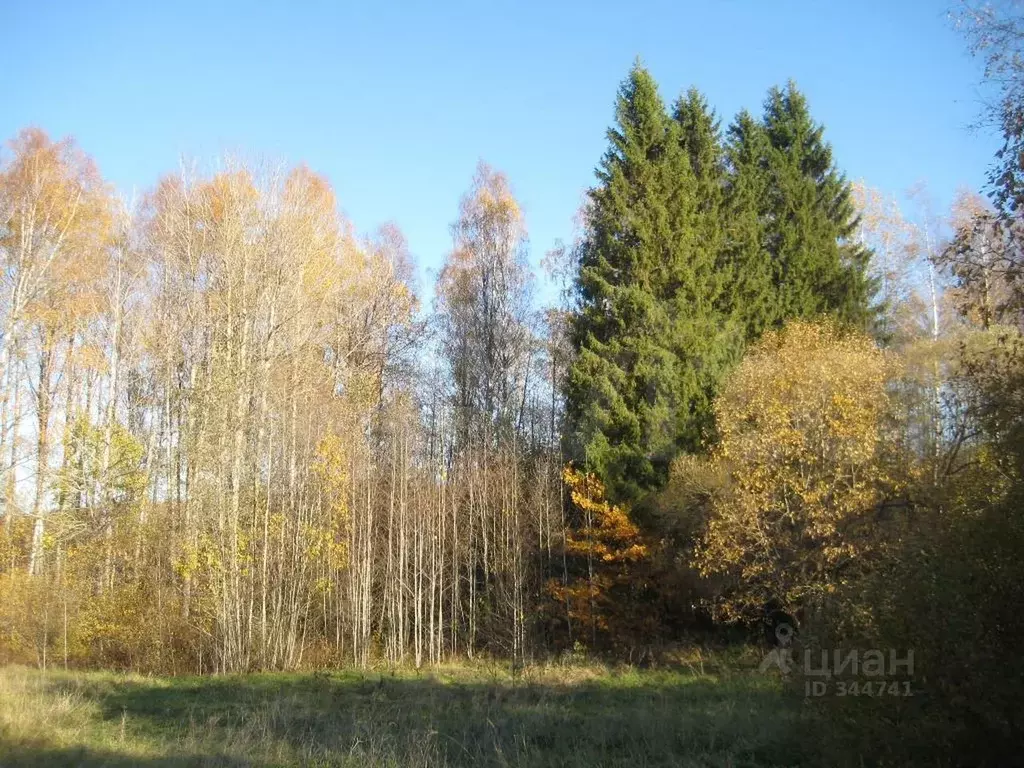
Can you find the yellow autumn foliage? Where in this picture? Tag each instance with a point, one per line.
(608, 533)
(331, 467)
(809, 445)
(605, 547)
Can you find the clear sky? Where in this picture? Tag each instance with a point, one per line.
(396, 102)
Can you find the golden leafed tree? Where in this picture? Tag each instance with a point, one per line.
(809, 448)
(606, 549)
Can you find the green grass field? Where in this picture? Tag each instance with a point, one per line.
(699, 714)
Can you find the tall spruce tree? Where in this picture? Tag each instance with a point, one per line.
(705, 297)
(810, 219)
(701, 140)
(750, 298)
(646, 332)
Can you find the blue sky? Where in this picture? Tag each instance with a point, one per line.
(396, 102)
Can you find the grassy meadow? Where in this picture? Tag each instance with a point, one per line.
(704, 712)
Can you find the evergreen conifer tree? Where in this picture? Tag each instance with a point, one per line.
(647, 333)
(702, 142)
(810, 216)
(750, 298)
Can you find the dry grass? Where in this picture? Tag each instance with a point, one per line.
(454, 715)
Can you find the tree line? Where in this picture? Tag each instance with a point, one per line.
(233, 437)
(224, 447)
